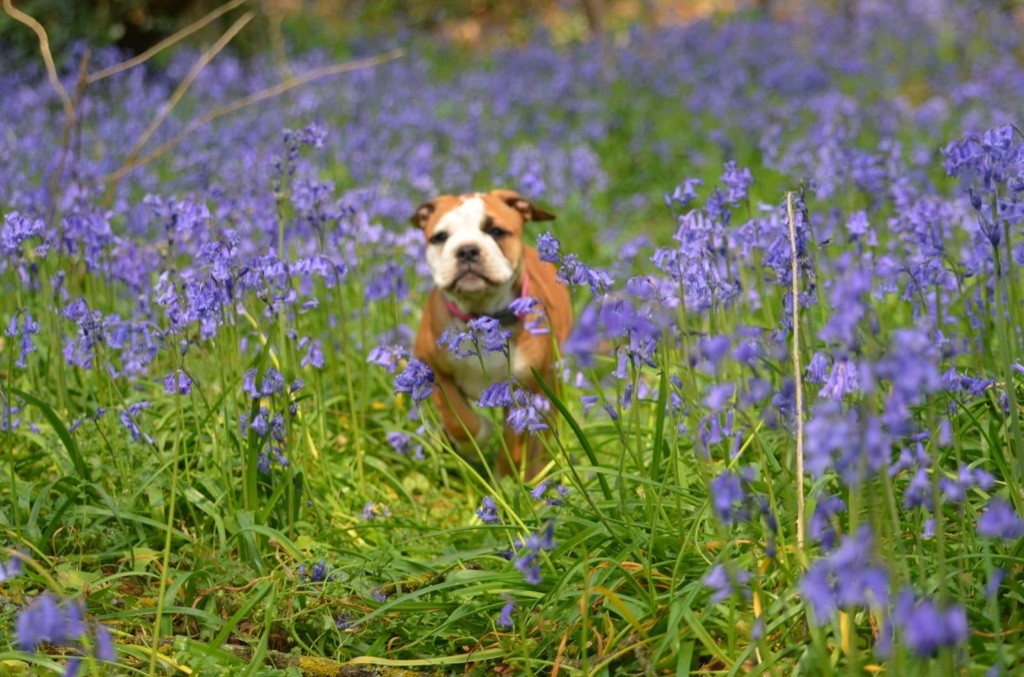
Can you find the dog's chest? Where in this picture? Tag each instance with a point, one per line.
(473, 374)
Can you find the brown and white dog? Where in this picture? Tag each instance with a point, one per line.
(479, 266)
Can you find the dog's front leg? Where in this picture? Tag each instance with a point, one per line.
(466, 430)
(523, 455)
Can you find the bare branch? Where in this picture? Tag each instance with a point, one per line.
(186, 83)
(44, 50)
(197, 25)
(238, 104)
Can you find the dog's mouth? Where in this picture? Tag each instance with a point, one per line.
(471, 279)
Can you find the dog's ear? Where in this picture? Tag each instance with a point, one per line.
(530, 211)
(419, 219)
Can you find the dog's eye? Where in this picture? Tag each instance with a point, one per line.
(439, 238)
(495, 232)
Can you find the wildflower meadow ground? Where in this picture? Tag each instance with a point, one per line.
(785, 432)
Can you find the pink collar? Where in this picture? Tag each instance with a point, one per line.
(506, 316)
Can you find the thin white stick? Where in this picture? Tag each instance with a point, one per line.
(165, 43)
(238, 104)
(44, 51)
(797, 377)
(183, 87)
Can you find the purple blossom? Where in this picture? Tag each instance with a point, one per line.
(573, 272)
(926, 626)
(481, 336)
(372, 511)
(725, 583)
(129, 419)
(18, 229)
(271, 384)
(388, 356)
(850, 577)
(528, 560)
(820, 527)
(1000, 520)
(528, 414)
(488, 512)
(498, 394)
(11, 569)
(737, 182)
(177, 382)
(24, 330)
(727, 497)
(505, 617)
(683, 196)
(548, 248)
(314, 354)
(404, 444)
(416, 379)
(45, 621)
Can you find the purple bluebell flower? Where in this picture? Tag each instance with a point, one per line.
(24, 330)
(955, 490)
(314, 354)
(996, 580)
(737, 182)
(505, 617)
(104, 644)
(319, 572)
(404, 444)
(725, 585)
(178, 382)
(727, 497)
(45, 621)
(488, 511)
(388, 356)
(573, 272)
(372, 511)
(548, 248)
(272, 383)
(719, 396)
(498, 394)
(481, 336)
(820, 527)
(528, 414)
(714, 349)
(1000, 520)
(817, 368)
(129, 418)
(417, 380)
(11, 569)
(18, 229)
(849, 577)
(263, 464)
(531, 309)
(843, 379)
(683, 196)
(528, 561)
(926, 626)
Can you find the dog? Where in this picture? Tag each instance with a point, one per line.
(480, 265)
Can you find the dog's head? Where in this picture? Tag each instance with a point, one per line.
(474, 242)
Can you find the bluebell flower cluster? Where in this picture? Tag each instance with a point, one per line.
(527, 555)
(45, 620)
(417, 380)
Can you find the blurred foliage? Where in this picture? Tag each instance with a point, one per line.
(132, 24)
(135, 25)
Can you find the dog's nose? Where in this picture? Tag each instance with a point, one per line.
(467, 253)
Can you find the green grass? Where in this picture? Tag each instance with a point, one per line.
(195, 559)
